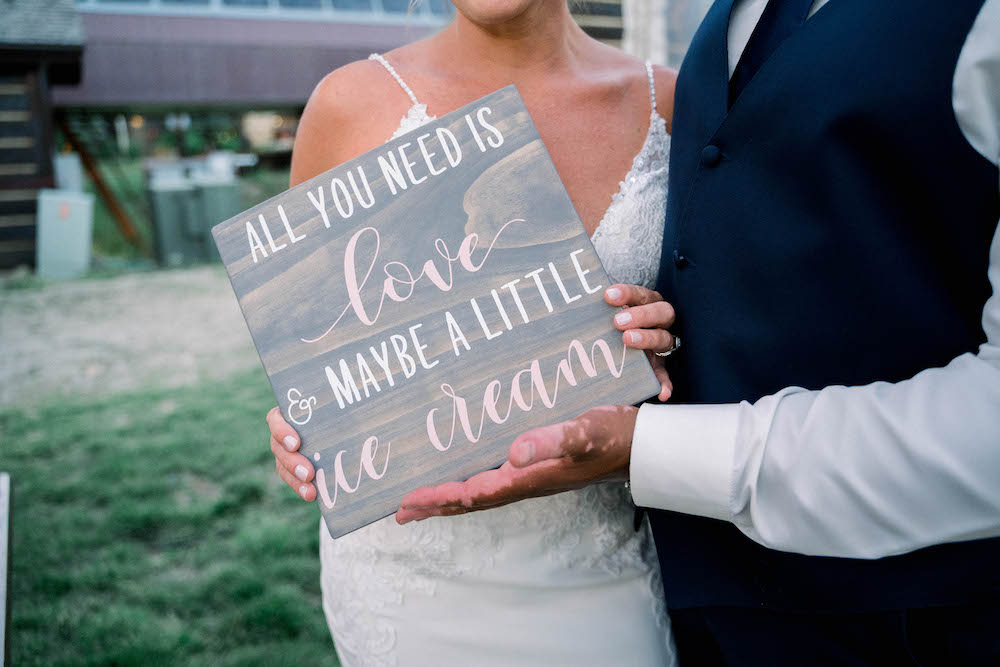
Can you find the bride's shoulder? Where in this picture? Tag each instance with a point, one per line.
(624, 72)
(354, 87)
(351, 110)
(351, 90)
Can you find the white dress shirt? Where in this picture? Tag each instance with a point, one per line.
(866, 471)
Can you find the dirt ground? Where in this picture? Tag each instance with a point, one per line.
(157, 329)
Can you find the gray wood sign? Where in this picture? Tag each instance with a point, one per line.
(420, 306)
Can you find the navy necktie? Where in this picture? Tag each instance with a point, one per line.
(779, 20)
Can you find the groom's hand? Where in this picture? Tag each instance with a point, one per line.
(594, 447)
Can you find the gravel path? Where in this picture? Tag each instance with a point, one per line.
(159, 329)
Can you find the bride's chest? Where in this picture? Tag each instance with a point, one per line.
(592, 143)
(592, 157)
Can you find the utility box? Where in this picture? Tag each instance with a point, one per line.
(65, 233)
(218, 200)
(177, 223)
(188, 197)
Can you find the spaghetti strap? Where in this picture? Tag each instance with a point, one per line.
(389, 68)
(652, 88)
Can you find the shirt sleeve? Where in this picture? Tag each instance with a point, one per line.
(862, 472)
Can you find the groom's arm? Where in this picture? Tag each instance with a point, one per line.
(845, 471)
(861, 471)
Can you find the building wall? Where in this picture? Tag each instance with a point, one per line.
(246, 53)
(661, 30)
(153, 59)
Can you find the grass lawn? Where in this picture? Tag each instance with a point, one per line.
(149, 528)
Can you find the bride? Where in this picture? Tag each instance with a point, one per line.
(561, 580)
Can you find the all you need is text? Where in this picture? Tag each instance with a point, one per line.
(398, 170)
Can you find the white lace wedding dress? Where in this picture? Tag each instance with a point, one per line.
(561, 580)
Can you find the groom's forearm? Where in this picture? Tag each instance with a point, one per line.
(860, 472)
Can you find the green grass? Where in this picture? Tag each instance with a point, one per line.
(127, 179)
(149, 528)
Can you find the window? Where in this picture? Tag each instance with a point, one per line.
(397, 6)
(356, 5)
(409, 12)
(441, 7)
(245, 3)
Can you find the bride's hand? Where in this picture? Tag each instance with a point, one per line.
(644, 324)
(292, 467)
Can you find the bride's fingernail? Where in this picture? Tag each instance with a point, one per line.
(301, 472)
(290, 442)
(623, 317)
(613, 293)
(634, 337)
(303, 490)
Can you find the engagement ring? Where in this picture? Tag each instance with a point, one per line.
(673, 348)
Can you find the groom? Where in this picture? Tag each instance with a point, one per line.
(830, 490)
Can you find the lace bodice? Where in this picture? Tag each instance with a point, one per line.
(541, 544)
(629, 238)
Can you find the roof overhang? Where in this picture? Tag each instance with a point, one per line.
(62, 63)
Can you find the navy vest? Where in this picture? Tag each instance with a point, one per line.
(832, 227)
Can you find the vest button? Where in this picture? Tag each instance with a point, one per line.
(680, 261)
(711, 155)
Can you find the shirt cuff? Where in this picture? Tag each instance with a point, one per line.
(682, 458)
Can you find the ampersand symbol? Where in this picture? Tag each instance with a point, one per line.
(301, 405)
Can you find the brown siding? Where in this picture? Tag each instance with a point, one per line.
(25, 163)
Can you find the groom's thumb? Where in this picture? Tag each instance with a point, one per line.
(540, 444)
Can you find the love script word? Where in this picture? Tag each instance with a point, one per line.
(405, 279)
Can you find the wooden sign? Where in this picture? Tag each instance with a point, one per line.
(420, 306)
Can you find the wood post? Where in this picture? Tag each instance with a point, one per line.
(4, 567)
(118, 212)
